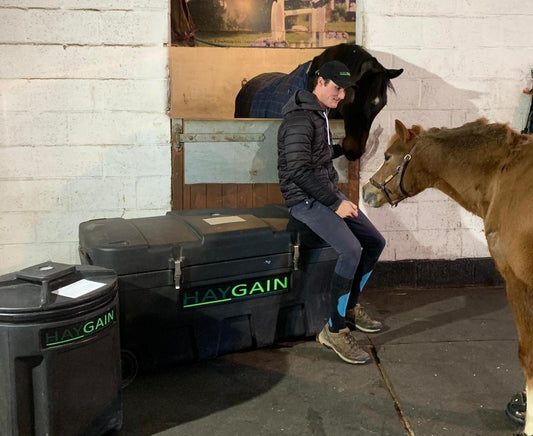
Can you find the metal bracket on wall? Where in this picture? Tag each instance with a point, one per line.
(222, 137)
(179, 138)
(176, 130)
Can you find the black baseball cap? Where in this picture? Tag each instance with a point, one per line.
(338, 72)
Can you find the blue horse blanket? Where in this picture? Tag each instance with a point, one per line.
(269, 101)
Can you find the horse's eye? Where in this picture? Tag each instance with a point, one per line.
(387, 157)
(376, 101)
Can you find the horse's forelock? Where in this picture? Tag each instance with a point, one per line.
(357, 59)
(352, 55)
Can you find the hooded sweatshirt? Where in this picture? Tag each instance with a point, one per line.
(305, 153)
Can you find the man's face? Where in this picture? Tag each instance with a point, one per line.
(328, 95)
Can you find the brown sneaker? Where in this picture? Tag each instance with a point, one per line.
(344, 344)
(359, 319)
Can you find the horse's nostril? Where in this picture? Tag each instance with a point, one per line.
(369, 199)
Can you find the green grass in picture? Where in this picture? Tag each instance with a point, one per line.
(341, 26)
(231, 39)
(246, 39)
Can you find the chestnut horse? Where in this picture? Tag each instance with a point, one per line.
(487, 169)
(264, 95)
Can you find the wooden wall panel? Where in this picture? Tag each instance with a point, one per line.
(194, 93)
(213, 192)
(259, 194)
(229, 195)
(274, 194)
(215, 195)
(245, 195)
(198, 196)
(176, 178)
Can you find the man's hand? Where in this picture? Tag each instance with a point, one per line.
(347, 209)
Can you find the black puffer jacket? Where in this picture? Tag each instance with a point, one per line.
(305, 153)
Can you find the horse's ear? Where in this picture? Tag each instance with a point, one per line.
(402, 131)
(394, 73)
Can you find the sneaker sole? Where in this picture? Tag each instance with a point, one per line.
(328, 345)
(363, 329)
(516, 416)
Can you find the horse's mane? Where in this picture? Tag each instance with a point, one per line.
(479, 132)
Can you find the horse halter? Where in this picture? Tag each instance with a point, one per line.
(400, 171)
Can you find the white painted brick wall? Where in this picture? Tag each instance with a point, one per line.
(463, 60)
(84, 93)
(84, 131)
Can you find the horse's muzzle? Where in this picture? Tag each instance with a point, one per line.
(372, 196)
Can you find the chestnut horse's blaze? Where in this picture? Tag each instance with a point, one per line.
(486, 169)
(358, 109)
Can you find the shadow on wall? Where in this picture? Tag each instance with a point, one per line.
(431, 226)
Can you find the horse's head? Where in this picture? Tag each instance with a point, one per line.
(389, 184)
(363, 102)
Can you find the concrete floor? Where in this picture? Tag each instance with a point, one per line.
(446, 364)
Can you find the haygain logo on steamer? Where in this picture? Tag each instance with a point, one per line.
(232, 291)
(54, 337)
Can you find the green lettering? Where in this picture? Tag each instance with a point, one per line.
(190, 296)
(88, 327)
(224, 291)
(239, 290)
(51, 338)
(281, 284)
(67, 334)
(110, 316)
(209, 295)
(256, 288)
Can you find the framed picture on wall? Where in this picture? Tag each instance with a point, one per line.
(263, 23)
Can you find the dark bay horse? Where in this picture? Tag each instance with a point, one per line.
(487, 169)
(264, 95)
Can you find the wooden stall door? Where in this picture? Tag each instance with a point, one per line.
(241, 182)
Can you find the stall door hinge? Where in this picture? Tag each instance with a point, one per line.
(176, 132)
